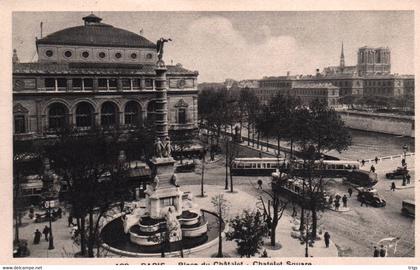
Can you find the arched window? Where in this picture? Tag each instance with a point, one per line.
(108, 114)
(132, 114)
(84, 115)
(57, 116)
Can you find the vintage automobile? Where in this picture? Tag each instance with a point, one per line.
(370, 196)
(186, 167)
(408, 208)
(398, 173)
(43, 217)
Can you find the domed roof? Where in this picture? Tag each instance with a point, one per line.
(95, 33)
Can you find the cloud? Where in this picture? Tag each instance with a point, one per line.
(218, 51)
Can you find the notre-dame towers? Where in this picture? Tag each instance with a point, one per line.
(371, 61)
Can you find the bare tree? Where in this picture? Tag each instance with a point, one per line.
(273, 211)
(221, 206)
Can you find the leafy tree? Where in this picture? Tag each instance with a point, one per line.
(221, 205)
(89, 164)
(247, 231)
(327, 129)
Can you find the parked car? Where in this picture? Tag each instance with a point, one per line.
(371, 196)
(398, 173)
(187, 167)
(408, 208)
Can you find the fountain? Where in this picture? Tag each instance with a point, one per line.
(166, 217)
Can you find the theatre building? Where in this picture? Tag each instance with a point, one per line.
(96, 75)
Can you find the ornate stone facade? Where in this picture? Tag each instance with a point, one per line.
(114, 91)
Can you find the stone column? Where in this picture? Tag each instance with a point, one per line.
(161, 122)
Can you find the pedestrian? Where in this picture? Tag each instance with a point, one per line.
(403, 162)
(327, 237)
(70, 221)
(382, 251)
(294, 213)
(330, 201)
(46, 232)
(363, 201)
(37, 237)
(59, 212)
(376, 160)
(372, 168)
(408, 179)
(259, 182)
(375, 252)
(363, 162)
(31, 212)
(350, 191)
(337, 205)
(344, 201)
(393, 186)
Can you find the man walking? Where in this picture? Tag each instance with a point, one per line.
(294, 213)
(372, 168)
(350, 191)
(345, 201)
(46, 232)
(363, 162)
(376, 160)
(393, 186)
(327, 237)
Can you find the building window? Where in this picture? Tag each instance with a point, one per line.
(113, 83)
(84, 115)
(49, 53)
(149, 83)
(134, 55)
(108, 114)
(102, 55)
(132, 114)
(118, 55)
(61, 83)
(102, 84)
(136, 83)
(126, 83)
(19, 121)
(88, 83)
(77, 84)
(57, 116)
(67, 54)
(49, 83)
(85, 54)
(182, 116)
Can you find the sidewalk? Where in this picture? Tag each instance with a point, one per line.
(240, 200)
(290, 247)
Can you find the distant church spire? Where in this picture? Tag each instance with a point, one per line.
(342, 63)
(15, 58)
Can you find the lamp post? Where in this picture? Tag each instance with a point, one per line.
(51, 238)
(404, 164)
(405, 149)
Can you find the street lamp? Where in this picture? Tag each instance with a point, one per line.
(405, 149)
(51, 238)
(404, 164)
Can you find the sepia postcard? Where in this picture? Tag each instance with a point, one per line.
(208, 132)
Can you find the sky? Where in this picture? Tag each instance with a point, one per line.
(246, 45)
